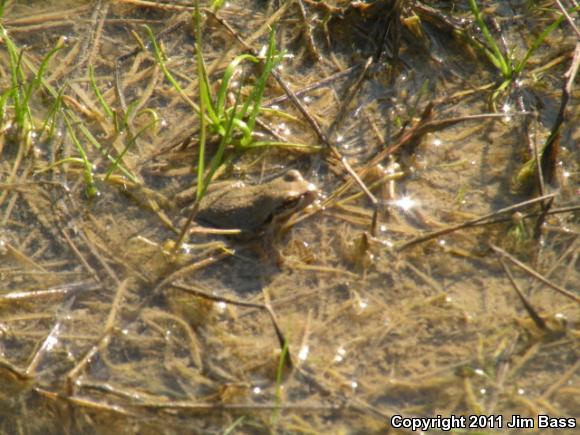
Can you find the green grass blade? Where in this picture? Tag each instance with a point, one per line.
(229, 72)
(203, 82)
(17, 78)
(16, 73)
(218, 158)
(3, 100)
(161, 62)
(132, 141)
(282, 364)
(39, 76)
(52, 115)
(245, 129)
(541, 38)
(231, 429)
(279, 113)
(204, 101)
(88, 167)
(217, 5)
(76, 160)
(95, 143)
(99, 95)
(256, 97)
(495, 56)
(205, 89)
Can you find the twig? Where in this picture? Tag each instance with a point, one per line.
(546, 160)
(226, 300)
(540, 323)
(87, 403)
(535, 274)
(571, 250)
(542, 218)
(316, 85)
(44, 17)
(472, 222)
(21, 257)
(354, 89)
(308, 32)
(101, 15)
(392, 30)
(46, 293)
(155, 5)
(568, 17)
(200, 406)
(90, 39)
(564, 379)
(52, 336)
(79, 255)
(103, 340)
(15, 371)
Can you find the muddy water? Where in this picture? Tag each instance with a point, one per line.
(102, 325)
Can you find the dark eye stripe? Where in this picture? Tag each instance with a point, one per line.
(291, 203)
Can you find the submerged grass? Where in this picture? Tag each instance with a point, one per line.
(495, 55)
(203, 100)
(91, 188)
(227, 122)
(100, 98)
(20, 95)
(509, 68)
(235, 125)
(132, 137)
(23, 88)
(404, 332)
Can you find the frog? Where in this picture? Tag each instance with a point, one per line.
(253, 208)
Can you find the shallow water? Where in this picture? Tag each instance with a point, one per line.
(100, 327)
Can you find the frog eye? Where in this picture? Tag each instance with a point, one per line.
(292, 175)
